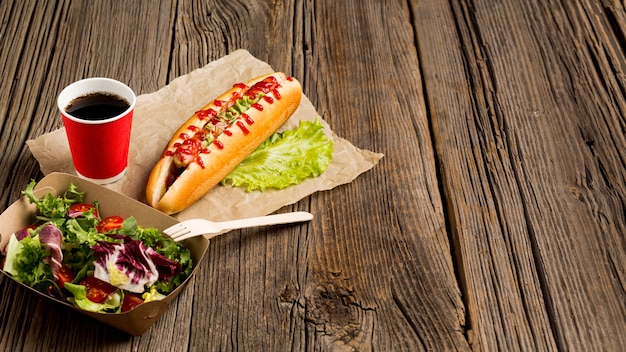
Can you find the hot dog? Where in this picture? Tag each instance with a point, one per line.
(218, 137)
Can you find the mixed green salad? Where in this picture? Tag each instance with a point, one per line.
(107, 265)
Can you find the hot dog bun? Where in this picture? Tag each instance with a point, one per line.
(172, 188)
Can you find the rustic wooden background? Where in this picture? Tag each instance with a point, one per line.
(495, 221)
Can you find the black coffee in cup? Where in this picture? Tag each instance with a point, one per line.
(97, 106)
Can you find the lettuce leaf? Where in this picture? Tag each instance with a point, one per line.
(51, 208)
(24, 260)
(152, 295)
(113, 303)
(284, 159)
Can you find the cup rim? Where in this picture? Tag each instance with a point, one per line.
(120, 89)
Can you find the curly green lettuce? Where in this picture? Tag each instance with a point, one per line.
(24, 261)
(51, 208)
(285, 159)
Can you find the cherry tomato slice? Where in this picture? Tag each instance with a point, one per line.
(130, 301)
(83, 208)
(65, 275)
(110, 223)
(97, 290)
(31, 227)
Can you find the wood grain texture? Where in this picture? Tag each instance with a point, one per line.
(528, 128)
(371, 104)
(326, 286)
(495, 220)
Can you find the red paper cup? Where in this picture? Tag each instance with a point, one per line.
(99, 148)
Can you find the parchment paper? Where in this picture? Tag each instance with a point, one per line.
(157, 115)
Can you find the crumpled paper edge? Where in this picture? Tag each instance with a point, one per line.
(157, 115)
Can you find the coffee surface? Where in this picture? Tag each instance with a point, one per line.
(97, 106)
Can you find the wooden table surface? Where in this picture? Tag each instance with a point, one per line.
(495, 220)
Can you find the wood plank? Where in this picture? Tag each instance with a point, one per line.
(62, 42)
(375, 105)
(532, 172)
(331, 286)
(26, 51)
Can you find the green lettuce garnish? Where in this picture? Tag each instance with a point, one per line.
(52, 208)
(24, 261)
(112, 304)
(285, 159)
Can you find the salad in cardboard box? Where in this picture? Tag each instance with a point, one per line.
(96, 251)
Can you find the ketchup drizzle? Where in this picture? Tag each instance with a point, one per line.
(248, 119)
(208, 113)
(265, 86)
(199, 160)
(191, 145)
(243, 127)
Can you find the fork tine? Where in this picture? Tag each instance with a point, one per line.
(184, 236)
(182, 232)
(176, 230)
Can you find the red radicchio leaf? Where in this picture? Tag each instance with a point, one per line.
(130, 258)
(167, 268)
(21, 234)
(50, 237)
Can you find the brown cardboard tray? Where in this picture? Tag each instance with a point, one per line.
(138, 320)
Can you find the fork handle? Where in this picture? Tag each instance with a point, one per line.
(274, 219)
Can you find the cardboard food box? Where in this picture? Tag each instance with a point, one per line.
(136, 321)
